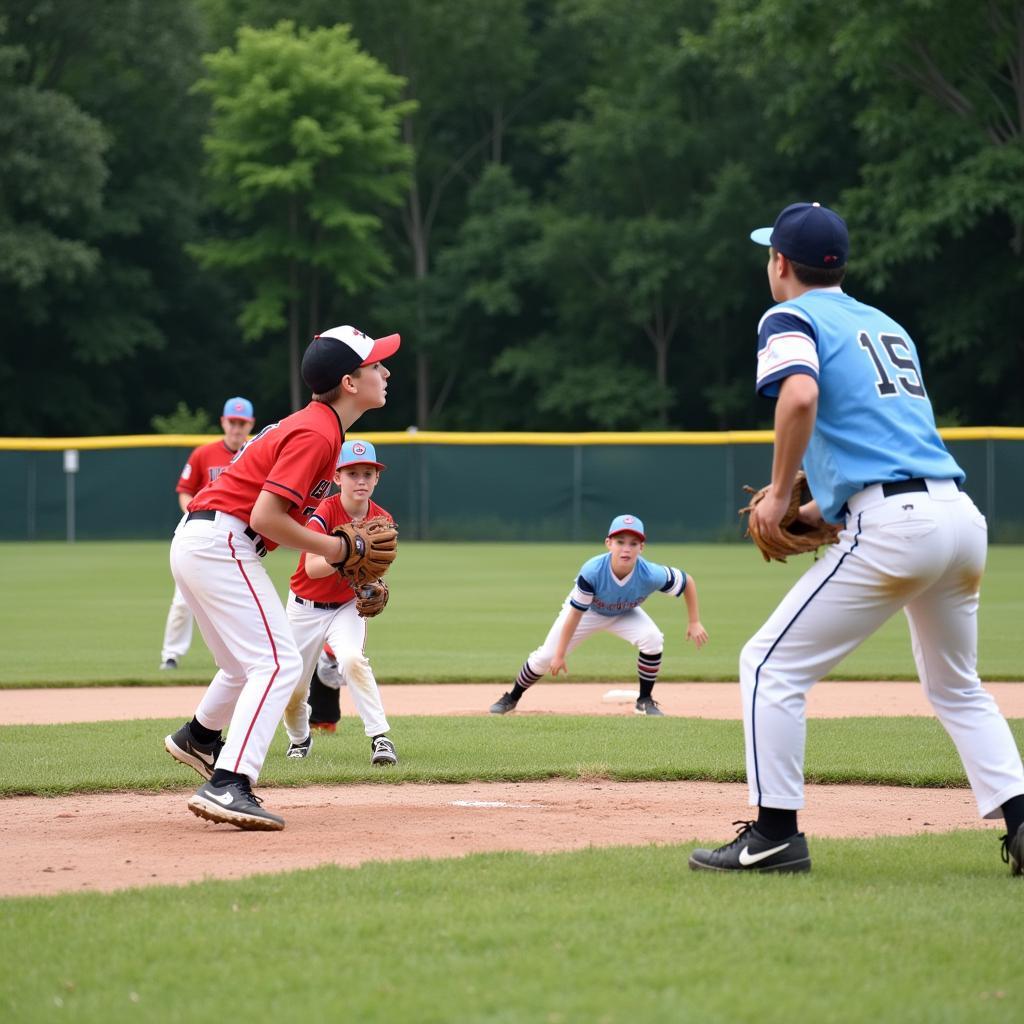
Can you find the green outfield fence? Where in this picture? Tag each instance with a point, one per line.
(442, 486)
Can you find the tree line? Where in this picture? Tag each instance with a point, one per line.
(549, 199)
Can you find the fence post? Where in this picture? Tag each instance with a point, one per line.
(70, 471)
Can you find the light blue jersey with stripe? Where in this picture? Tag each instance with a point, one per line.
(875, 422)
(599, 590)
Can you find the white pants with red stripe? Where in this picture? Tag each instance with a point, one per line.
(245, 626)
(635, 627)
(345, 631)
(920, 551)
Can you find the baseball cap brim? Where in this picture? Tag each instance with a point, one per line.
(382, 349)
(763, 236)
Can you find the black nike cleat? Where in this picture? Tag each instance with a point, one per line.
(234, 804)
(751, 851)
(1013, 851)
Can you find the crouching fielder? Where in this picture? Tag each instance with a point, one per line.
(606, 598)
(322, 608)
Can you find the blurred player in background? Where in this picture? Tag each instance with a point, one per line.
(322, 609)
(607, 596)
(205, 464)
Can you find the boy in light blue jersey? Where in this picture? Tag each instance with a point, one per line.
(852, 407)
(606, 598)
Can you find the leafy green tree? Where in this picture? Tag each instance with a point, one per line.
(303, 153)
(183, 420)
(924, 102)
(133, 310)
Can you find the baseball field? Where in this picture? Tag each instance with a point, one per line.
(521, 868)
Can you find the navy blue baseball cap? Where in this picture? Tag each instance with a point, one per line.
(808, 233)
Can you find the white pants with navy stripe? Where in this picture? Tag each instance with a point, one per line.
(345, 631)
(635, 627)
(245, 626)
(923, 552)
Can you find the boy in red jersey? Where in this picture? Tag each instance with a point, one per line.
(322, 609)
(261, 500)
(205, 464)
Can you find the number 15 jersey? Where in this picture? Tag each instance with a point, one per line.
(875, 422)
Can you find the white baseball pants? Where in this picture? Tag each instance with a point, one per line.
(245, 626)
(345, 631)
(178, 630)
(923, 552)
(635, 627)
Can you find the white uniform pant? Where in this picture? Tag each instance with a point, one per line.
(178, 630)
(345, 631)
(634, 626)
(245, 626)
(924, 553)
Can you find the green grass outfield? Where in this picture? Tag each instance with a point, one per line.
(93, 613)
(54, 759)
(909, 931)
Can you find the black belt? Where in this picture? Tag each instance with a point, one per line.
(211, 514)
(324, 606)
(909, 486)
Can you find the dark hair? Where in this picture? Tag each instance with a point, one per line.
(818, 277)
(335, 393)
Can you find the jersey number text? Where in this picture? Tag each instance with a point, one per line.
(893, 344)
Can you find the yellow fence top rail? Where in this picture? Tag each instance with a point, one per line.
(668, 437)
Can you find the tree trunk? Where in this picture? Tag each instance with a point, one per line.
(294, 356)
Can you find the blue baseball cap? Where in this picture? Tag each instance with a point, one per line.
(238, 409)
(358, 453)
(627, 524)
(808, 233)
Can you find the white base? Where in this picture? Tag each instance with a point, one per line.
(621, 696)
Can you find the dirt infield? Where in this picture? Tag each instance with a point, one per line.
(694, 700)
(102, 842)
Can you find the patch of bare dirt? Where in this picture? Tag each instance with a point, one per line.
(693, 700)
(102, 842)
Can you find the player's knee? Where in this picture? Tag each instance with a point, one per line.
(539, 663)
(652, 643)
(751, 656)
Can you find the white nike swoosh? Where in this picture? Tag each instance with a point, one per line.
(747, 858)
(226, 799)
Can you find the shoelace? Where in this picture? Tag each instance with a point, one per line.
(741, 831)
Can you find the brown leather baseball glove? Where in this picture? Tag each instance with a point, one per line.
(797, 537)
(371, 599)
(372, 547)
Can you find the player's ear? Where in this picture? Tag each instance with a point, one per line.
(608, 543)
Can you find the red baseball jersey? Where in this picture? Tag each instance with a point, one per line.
(294, 458)
(332, 589)
(204, 465)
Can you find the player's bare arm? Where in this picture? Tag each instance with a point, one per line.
(795, 413)
(270, 519)
(183, 500)
(695, 631)
(572, 620)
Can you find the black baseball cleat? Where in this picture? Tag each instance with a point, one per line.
(1013, 851)
(234, 804)
(504, 704)
(184, 747)
(383, 751)
(300, 749)
(751, 851)
(648, 706)
(169, 663)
